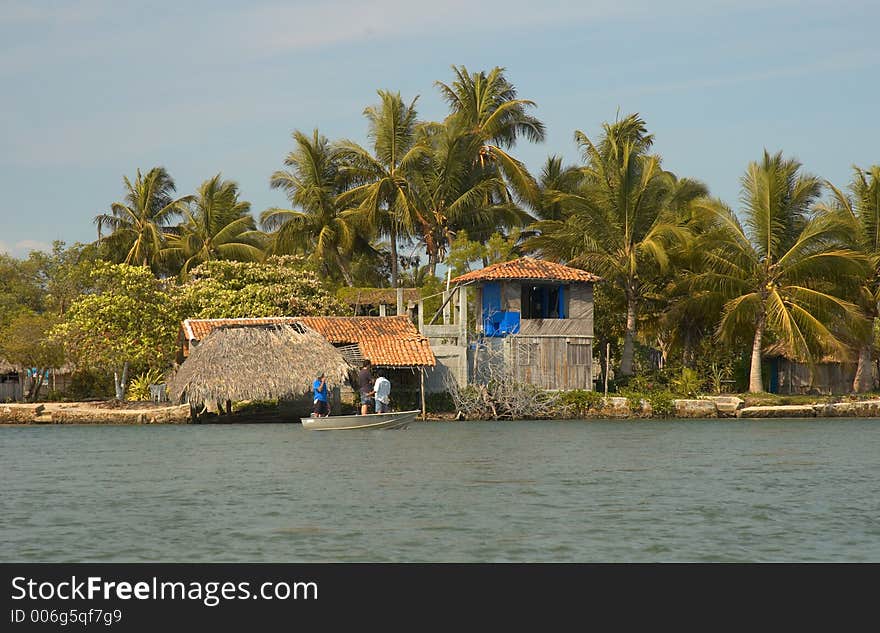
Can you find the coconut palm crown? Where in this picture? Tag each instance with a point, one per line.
(620, 218)
(217, 225)
(861, 211)
(380, 197)
(316, 226)
(783, 271)
(139, 223)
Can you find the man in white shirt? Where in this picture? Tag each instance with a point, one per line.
(382, 389)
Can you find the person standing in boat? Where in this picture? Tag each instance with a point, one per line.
(365, 386)
(382, 391)
(322, 405)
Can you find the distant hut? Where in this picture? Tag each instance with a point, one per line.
(785, 373)
(256, 362)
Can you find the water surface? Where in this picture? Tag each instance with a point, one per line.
(769, 490)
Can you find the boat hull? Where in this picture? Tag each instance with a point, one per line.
(397, 420)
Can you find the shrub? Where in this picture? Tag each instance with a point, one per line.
(688, 383)
(89, 384)
(580, 401)
(634, 401)
(139, 387)
(661, 403)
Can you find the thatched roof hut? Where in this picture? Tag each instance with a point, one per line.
(256, 363)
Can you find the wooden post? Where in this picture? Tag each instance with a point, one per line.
(462, 314)
(607, 365)
(422, 385)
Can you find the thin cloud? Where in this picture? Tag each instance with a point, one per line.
(23, 247)
(850, 60)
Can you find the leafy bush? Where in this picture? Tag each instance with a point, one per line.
(580, 401)
(688, 383)
(650, 381)
(86, 384)
(634, 400)
(661, 403)
(139, 387)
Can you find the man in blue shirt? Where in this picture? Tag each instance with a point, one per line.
(322, 406)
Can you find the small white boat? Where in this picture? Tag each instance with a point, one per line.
(397, 420)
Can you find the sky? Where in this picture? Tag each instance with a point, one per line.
(92, 90)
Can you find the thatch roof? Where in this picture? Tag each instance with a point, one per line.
(256, 363)
(781, 350)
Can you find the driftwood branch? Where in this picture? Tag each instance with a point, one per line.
(498, 395)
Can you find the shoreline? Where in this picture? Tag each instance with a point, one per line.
(615, 408)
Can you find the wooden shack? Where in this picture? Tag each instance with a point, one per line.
(537, 316)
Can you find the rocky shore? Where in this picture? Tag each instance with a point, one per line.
(91, 413)
(614, 408)
(734, 407)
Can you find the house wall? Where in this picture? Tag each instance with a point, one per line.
(580, 303)
(825, 378)
(551, 362)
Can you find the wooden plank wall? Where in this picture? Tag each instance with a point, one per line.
(544, 361)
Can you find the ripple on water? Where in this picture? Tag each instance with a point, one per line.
(517, 491)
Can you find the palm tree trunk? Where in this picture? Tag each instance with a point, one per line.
(864, 379)
(756, 385)
(345, 269)
(626, 359)
(394, 262)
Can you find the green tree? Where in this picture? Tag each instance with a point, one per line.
(25, 343)
(485, 104)
(139, 223)
(279, 286)
(217, 225)
(128, 321)
(622, 219)
(784, 270)
(319, 228)
(451, 193)
(861, 212)
(380, 195)
(20, 288)
(64, 274)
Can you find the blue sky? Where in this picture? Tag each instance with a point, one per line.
(94, 89)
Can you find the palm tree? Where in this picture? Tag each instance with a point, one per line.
(861, 211)
(485, 104)
(782, 271)
(381, 194)
(621, 219)
(217, 225)
(138, 224)
(320, 229)
(449, 192)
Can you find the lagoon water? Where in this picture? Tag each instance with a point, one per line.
(770, 490)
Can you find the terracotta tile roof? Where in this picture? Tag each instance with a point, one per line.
(528, 268)
(392, 341)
